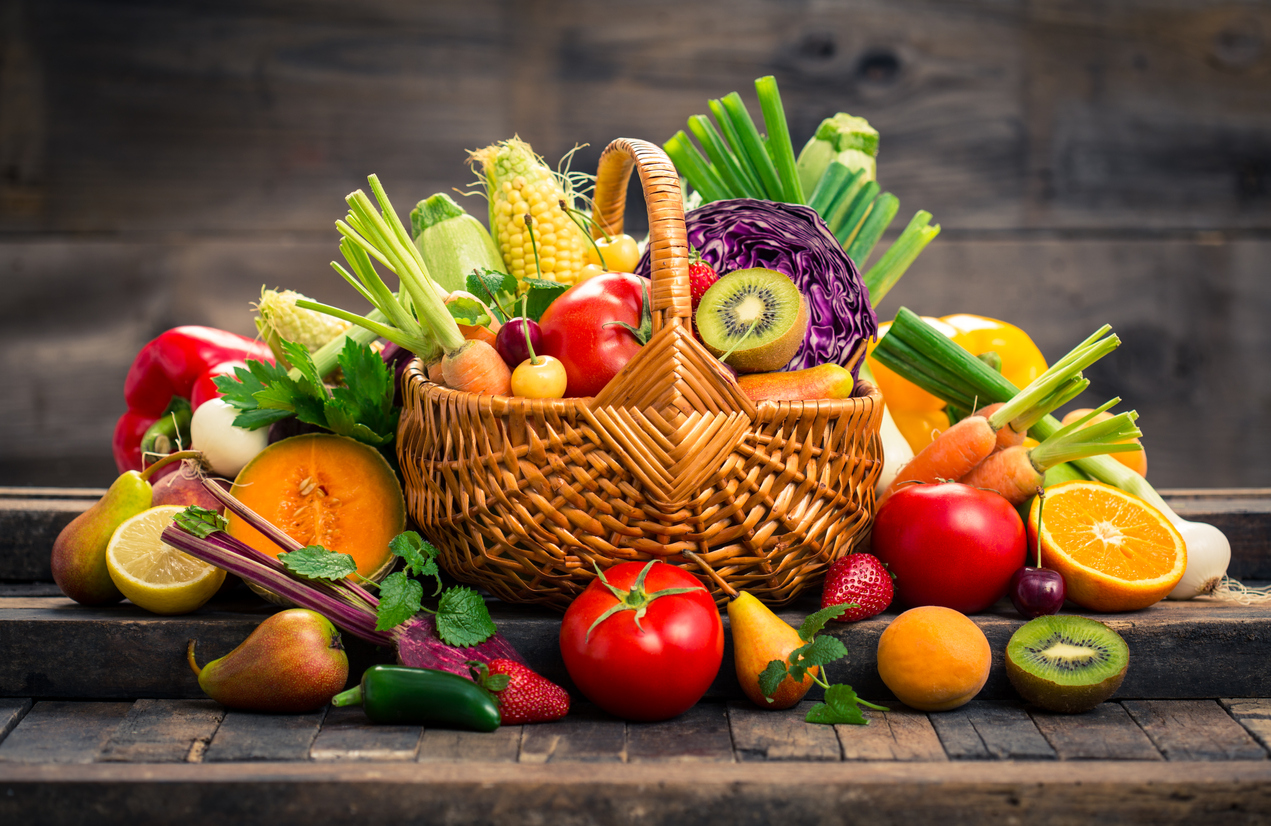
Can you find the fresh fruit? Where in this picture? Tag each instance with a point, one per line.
(154, 575)
(949, 544)
(754, 319)
(1037, 591)
(620, 253)
(596, 327)
(825, 381)
(510, 342)
(701, 276)
(1067, 664)
(183, 485)
(541, 377)
(1115, 551)
(643, 641)
(292, 663)
(934, 658)
(759, 637)
(526, 697)
(324, 490)
(1135, 460)
(858, 580)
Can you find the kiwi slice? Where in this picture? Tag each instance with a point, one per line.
(758, 314)
(1065, 663)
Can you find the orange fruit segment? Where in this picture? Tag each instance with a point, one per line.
(934, 658)
(1115, 551)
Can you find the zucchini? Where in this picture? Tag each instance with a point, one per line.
(452, 242)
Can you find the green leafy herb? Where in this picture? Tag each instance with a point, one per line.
(541, 294)
(202, 522)
(316, 562)
(462, 617)
(841, 703)
(493, 683)
(499, 291)
(400, 597)
(469, 311)
(420, 556)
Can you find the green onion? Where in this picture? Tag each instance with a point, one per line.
(879, 218)
(833, 188)
(779, 147)
(696, 169)
(734, 140)
(721, 157)
(881, 277)
(752, 145)
(845, 228)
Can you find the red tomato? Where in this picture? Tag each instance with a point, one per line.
(949, 544)
(652, 671)
(577, 331)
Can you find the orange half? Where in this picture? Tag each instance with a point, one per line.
(1115, 551)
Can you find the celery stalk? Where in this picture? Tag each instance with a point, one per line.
(733, 139)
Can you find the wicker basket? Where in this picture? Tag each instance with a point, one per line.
(526, 497)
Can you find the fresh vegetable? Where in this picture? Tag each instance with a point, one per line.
(278, 319)
(859, 581)
(1035, 591)
(401, 695)
(168, 367)
(896, 450)
(1135, 460)
(825, 381)
(171, 431)
(745, 233)
(949, 544)
(849, 141)
(451, 242)
(314, 578)
(596, 327)
(225, 447)
(518, 183)
(644, 640)
(523, 695)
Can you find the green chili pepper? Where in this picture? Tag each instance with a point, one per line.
(401, 695)
(170, 429)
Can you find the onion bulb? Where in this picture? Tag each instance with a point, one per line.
(226, 448)
(1208, 554)
(896, 451)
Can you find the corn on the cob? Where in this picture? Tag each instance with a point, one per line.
(279, 318)
(519, 183)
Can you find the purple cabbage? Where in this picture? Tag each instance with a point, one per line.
(740, 233)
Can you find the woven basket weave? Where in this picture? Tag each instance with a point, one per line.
(525, 497)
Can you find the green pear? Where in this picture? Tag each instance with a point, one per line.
(292, 663)
(79, 552)
(759, 637)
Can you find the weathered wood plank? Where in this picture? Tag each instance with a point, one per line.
(587, 735)
(247, 736)
(439, 745)
(346, 734)
(759, 734)
(980, 730)
(12, 710)
(164, 731)
(1106, 732)
(62, 732)
(1194, 730)
(699, 735)
(1254, 715)
(901, 734)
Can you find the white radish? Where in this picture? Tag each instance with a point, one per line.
(226, 448)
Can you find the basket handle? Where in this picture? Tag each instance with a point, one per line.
(668, 243)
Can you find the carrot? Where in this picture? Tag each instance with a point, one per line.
(1007, 436)
(476, 367)
(434, 373)
(951, 455)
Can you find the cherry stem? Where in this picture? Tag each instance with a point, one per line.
(525, 328)
(529, 227)
(1041, 503)
(572, 213)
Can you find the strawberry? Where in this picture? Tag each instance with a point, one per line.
(861, 579)
(524, 696)
(700, 277)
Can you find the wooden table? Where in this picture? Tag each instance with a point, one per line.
(101, 722)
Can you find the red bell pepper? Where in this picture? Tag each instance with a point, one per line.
(171, 366)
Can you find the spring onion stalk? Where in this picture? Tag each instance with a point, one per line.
(832, 189)
(876, 223)
(1080, 439)
(753, 184)
(845, 227)
(780, 150)
(881, 277)
(695, 168)
(752, 145)
(721, 157)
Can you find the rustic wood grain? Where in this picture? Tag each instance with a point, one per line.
(1106, 732)
(901, 734)
(699, 735)
(249, 736)
(439, 745)
(346, 734)
(760, 734)
(587, 735)
(164, 731)
(12, 710)
(62, 732)
(1194, 730)
(1254, 715)
(980, 730)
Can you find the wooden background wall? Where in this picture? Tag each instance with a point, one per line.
(1089, 162)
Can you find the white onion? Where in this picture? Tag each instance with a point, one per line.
(896, 451)
(1208, 554)
(225, 448)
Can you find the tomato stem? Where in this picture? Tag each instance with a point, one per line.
(636, 599)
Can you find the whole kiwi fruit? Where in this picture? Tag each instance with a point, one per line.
(1065, 663)
(754, 320)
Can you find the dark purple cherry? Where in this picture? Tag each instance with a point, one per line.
(1037, 591)
(510, 340)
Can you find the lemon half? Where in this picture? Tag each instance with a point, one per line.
(156, 576)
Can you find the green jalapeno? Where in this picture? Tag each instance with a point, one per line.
(399, 694)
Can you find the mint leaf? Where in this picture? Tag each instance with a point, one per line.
(541, 294)
(462, 617)
(202, 522)
(420, 556)
(400, 598)
(771, 677)
(840, 706)
(487, 285)
(821, 651)
(316, 562)
(468, 311)
(815, 622)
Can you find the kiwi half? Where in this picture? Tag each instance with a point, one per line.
(758, 298)
(1067, 664)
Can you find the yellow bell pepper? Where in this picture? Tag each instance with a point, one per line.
(920, 415)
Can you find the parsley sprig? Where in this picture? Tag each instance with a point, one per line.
(841, 704)
(461, 614)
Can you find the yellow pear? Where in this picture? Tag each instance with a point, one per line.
(759, 637)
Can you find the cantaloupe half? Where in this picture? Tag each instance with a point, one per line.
(323, 489)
